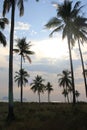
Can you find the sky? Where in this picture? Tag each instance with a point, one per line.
(51, 54)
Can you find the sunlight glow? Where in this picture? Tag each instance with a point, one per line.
(50, 48)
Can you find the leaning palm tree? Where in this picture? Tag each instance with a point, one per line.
(49, 89)
(80, 34)
(3, 22)
(65, 81)
(22, 81)
(7, 5)
(66, 13)
(38, 86)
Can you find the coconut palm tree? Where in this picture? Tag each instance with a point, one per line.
(77, 94)
(22, 81)
(3, 22)
(38, 86)
(80, 34)
(49, 89)
(7, 5)
(66, 13)
(65, 80)
(23, 49)
(65, 93)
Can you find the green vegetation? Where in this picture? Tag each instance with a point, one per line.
(45, 116)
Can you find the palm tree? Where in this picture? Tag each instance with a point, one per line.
(65, 93)
(22, 81)
(80, 34)
(49, 89)
(77, 94)
(7, 5)
(23, 49)
(3, 22)
(65, 81)
(38, 86)
(66, 13)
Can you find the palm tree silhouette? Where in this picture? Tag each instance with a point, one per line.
(38, 86)
(80, 34)
(77, 94)
(65, 81)
(7, 5)
(22, 81)
(65, 93)
(49, 89)
(3, 22)
(66, 13)
(23, 49)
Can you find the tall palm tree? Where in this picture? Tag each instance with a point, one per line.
(49, 89)
(65, 81)
(23, 49)
(38, 86)
(66, 13)
(7, 5)
(3, 22)
(22, 81)
(80, 34)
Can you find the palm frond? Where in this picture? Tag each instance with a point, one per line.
(2, 39)
(54, 22)
(77, 4)
(6, 6)
(21, 7)
(56, 30)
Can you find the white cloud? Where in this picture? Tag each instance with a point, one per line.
(22, 26)
(50, 48)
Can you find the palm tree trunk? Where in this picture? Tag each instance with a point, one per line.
(21, 82)
(39, 96)
(72, 74)
(10, 93)
(67, 98)
(82, 67)
(67, 95)
(48, 97)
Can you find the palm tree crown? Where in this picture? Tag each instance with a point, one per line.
(24, 74)
(23, 49)
(65, 79)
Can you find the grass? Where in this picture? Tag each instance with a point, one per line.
(45, 116)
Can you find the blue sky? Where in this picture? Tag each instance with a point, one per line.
(51, 55)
